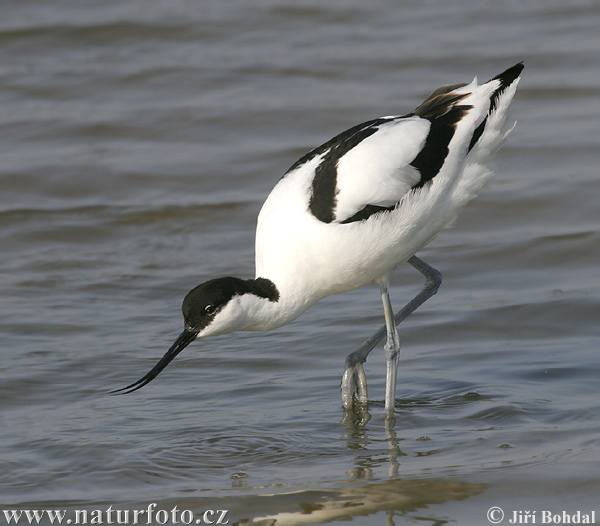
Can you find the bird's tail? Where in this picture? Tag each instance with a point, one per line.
(488, 135)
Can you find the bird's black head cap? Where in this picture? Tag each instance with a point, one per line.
(203, 303)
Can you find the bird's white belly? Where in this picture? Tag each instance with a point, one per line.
(308, 259)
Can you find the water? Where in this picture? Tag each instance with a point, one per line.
(137, 143)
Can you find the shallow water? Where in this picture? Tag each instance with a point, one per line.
(137, 143)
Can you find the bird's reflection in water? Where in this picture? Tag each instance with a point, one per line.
(355, 421)
(396, 498)
(360, 494)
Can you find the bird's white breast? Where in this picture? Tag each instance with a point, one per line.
(308, 259)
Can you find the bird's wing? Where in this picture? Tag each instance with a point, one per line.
(370, 167)
(377, 172)
(364, 169)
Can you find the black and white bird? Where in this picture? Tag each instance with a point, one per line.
(351, 211)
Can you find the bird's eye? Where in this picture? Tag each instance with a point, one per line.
(210, 309)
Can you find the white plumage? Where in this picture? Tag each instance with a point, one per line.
(309, 259)
(351, 211)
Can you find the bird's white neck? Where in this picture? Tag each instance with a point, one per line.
(265, 314)
(261, 307)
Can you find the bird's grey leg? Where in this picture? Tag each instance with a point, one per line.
(392, 345)
(354, 379)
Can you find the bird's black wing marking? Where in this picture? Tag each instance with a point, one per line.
(477, 133)
(324, 185)
(506, 78)
(367, 212)
(436, 106)
(340, 138)
(431, 158)
(442, 110)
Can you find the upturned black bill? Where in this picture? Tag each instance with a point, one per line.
(184, 339)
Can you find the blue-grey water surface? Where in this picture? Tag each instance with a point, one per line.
(137, 142)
